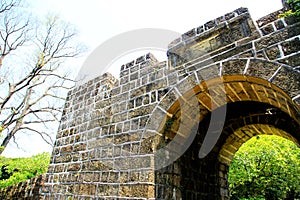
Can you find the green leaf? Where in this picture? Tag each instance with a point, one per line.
(15, 170)
(264, 166)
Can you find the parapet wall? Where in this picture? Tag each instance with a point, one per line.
(210, 28)
(30, 189)
(203, 42)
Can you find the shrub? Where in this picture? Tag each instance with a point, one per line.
(15, 170)
(265, 167)
(294, 9)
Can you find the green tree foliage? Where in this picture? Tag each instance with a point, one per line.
(15, 170)
(294, 8)
(265, 167)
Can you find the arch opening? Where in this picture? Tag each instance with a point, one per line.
(265, 109)
(265, 167)
(190, 177)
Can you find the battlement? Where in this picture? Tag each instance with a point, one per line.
(139, 61)
(137, 68)
(231, 29)
(201, 32)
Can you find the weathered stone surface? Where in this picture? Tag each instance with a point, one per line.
(291, 87)
(233, 67)
(111, 129)
(262, 69)
(293, 60)
(291, 46)
(266, 30)
(29, 189)
(273, 52)
(269, 18)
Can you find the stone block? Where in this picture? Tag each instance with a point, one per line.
(268, 29)
(232, 67)
(261, 69)
(291, 46)
(273, 53)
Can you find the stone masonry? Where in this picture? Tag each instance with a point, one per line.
(112, 129)
(29, 190)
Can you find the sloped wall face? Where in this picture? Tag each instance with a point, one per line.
(98, 151)
(131, 138)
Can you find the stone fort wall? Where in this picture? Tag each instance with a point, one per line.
(104, 149)
(30, 189)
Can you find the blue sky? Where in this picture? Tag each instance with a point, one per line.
(99, 20)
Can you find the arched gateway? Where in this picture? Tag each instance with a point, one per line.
(170, 131)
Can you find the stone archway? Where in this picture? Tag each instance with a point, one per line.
(244, 121)
(253, 106)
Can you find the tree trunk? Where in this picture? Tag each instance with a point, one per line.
(5, 143)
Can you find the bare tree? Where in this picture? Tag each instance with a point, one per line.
(31, 88)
